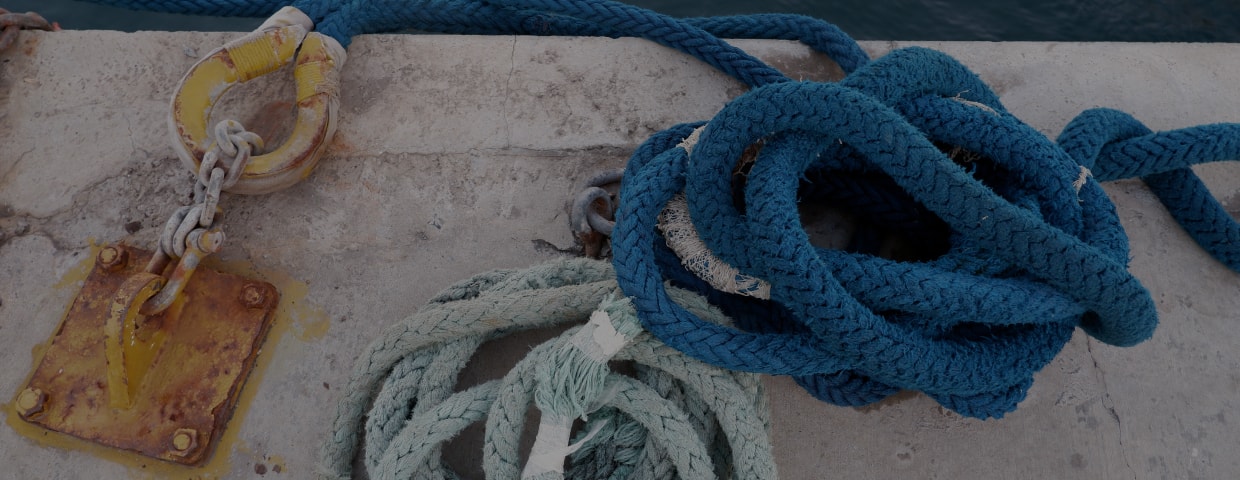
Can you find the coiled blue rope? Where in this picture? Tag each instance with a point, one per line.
(1036, 248)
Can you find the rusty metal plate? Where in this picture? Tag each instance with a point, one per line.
(210, 339)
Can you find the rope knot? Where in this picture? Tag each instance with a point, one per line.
(572, 383)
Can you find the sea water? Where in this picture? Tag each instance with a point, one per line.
(995, 20)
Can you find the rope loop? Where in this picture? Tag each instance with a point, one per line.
(1030, 246)
(672, 414)
(1114, 145)
(699, 37)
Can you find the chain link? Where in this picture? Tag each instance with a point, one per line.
(231, 141)
(191, 232)
(221, 168)
(592, 211)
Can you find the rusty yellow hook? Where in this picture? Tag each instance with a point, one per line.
(317, 72)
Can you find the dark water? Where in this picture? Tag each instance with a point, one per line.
(1005, 20)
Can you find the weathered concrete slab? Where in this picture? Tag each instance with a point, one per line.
(458, 154)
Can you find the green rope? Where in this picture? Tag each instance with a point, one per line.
(673, 417)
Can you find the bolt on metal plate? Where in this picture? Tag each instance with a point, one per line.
(210, 339)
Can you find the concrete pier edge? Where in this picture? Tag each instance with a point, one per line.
(458, 154)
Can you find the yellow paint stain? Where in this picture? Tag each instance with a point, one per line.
(294, 313)
(37, 351)
(306, 321)
(78, 273)
(312, 329)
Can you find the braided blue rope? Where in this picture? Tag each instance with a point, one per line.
(216, 8)
(837, 345)
(1115, 145)
(698, 37)
(1036, 246)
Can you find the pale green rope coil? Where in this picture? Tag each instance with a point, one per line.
(675, 417)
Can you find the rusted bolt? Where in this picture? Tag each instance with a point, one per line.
(253, 295)
(112, 258)
(30, 402)
(184, 441)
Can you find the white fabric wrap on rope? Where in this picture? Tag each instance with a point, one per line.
(599, 341)
(682, 237)
(287, 16)
(551, 447)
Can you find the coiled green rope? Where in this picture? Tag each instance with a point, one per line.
(675, 416)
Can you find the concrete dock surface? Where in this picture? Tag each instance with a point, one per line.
(457, 154)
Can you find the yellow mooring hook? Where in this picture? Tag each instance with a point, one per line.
(317, 72)
(155, 348)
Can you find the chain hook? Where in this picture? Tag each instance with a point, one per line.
(592, 213)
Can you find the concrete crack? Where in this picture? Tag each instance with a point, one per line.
(1109, 404)
(548, 248)
(512, 62)
(13, 168)
(15, 225)
(132, 143)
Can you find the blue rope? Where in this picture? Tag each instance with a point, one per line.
(698, 37)
(1035, 250)
(836, 346)
(1114, 145)
(215, 8)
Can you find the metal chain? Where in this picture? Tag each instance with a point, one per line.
(191, 232)
(231, 141)
(234, 145)
(11, 23)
